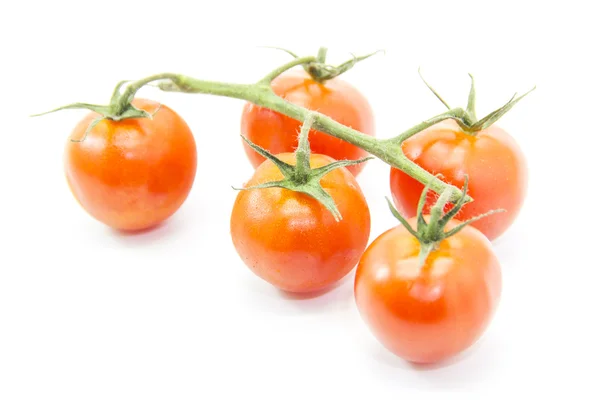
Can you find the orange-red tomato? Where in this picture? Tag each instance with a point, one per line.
(335, 98)
(493, 161)
(135, 173)
(428, 313)
(291, 240)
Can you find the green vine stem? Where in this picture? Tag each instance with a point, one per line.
(261, 94)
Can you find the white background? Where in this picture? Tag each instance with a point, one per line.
(88, 313)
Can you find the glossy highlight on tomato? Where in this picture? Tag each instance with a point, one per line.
(335, 98)
(290, 239)
(134, 173)
(428, 313)
(491, 158)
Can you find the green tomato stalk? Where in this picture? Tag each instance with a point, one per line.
(261, 94)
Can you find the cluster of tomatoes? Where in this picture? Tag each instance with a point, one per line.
(131, 174)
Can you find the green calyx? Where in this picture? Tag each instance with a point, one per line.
(430, 234)
(320, 71)
(118, 109)
(467, 119)
(301, 177)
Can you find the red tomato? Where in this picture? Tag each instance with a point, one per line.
(493, 161)
(132, 174)
(428, 313)
(291, 240)
(335, 98)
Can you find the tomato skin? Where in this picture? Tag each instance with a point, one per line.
(430, 313)
(290, 239)
(135, 173)
(495, 164)
(335, 98)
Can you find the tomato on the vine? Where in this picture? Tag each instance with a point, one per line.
(290, 239)
(430, 292)
(491, 158)
(334, 98)
(134, 173)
